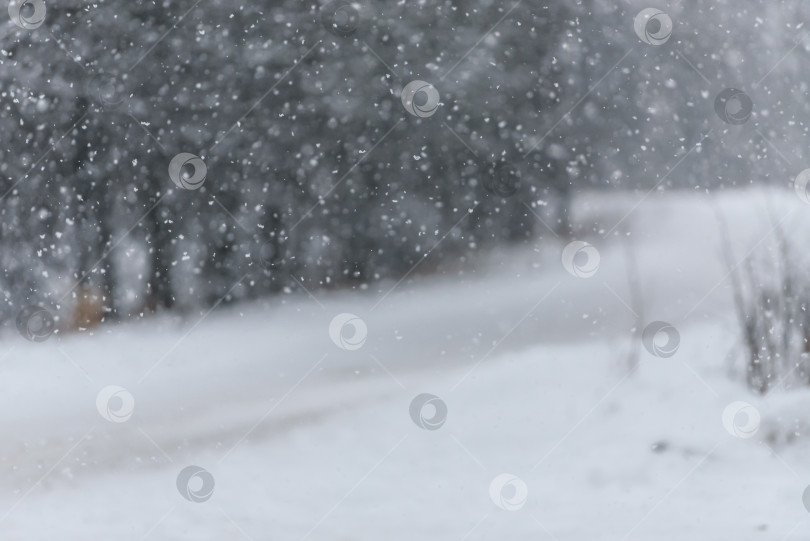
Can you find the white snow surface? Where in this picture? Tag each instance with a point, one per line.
(307, 441)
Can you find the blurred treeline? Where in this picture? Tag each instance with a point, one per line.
(317, 173)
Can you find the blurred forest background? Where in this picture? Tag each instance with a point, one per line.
(317, 174)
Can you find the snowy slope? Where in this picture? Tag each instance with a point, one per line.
(308, 441)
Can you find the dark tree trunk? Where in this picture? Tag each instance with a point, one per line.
(160, 292)
(108, 276)
(270, 246)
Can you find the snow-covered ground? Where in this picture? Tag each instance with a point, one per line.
(305, 440)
